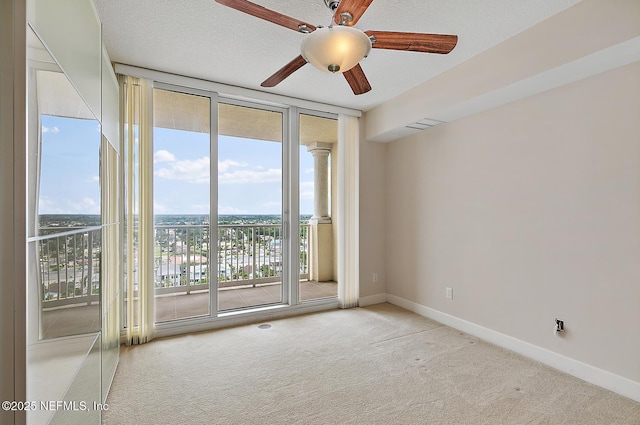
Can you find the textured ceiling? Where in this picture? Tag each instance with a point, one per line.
(203, 39)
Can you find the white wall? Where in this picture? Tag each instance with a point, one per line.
(527, 203)
(72, 32)
(530, 211)
(373, 176)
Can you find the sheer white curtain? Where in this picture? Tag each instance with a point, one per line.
(137, 138)
(348, 210)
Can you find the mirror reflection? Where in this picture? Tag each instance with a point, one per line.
(69, 152)
(64, 200)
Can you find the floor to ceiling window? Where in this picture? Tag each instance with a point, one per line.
(245, 207)
(225, 252)
(182, 194)
(251, 254)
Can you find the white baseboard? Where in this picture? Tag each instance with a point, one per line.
(616, 383)
(372, 299)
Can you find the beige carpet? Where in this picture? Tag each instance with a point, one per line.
(374, 365)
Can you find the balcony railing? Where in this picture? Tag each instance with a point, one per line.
(246, 254)
(69, 266)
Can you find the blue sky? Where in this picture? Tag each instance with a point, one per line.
(69, 178)
(249, 172)
(249, 175)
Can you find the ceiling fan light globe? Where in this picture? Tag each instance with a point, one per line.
(335, 49)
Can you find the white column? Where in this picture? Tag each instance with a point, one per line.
(320, 152)
(321, 240)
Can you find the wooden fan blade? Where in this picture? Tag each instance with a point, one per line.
(357, 80)
(355, 7)
(266, 14)
(413, 41)
(284, 72)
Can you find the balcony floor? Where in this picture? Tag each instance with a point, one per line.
(79, 319)
(179, 306)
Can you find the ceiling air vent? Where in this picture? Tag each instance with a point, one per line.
(407, 130)
(425, 123)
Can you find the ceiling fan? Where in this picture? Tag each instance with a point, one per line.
(341, 47)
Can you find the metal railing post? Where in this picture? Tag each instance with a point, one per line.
(58, 267)
(90, 265)
(253, 255)
(188, 270)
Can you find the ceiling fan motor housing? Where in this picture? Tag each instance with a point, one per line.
(332, 4)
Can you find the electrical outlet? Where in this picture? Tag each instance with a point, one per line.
(449, 293)
(375, 277)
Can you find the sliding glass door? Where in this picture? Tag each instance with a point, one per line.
(233, 180)
(220, 244)
(182, 149)
(252, 252)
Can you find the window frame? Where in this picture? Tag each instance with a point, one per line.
(291, 108)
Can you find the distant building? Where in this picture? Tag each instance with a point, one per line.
(172, 274)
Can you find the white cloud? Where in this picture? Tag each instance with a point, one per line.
(308, 170)
(197, 171)
(163, 156)
(93, 179)
(86, 206)
(229, 163)
(50, 129)
(190, 171)
(250, 176)
(48, 206)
